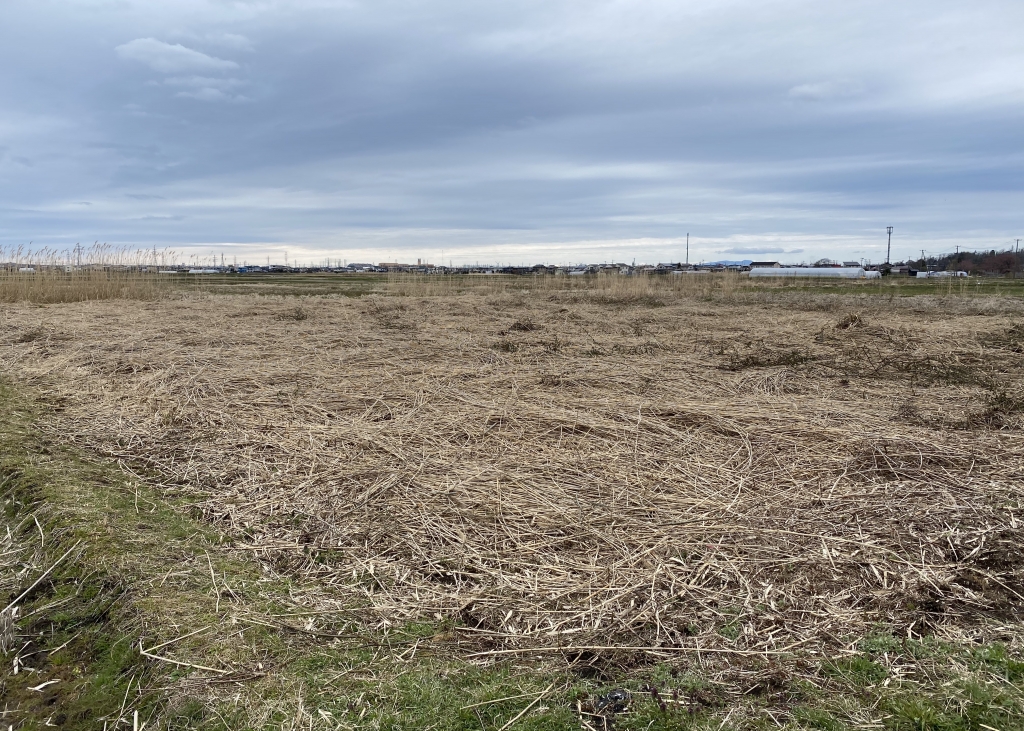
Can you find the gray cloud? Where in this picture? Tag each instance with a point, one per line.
(171, 58)
(205, 88)
(204, 82)
(754, 250)
(826, 90)
(760, 250)
(232, 41)
(207, 94)
(519, 131)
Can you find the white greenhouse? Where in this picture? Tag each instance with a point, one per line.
(833, 272)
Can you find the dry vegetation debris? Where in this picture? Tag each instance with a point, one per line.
(569, 472)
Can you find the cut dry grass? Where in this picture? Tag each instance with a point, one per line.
(660, 495)
(694, 487)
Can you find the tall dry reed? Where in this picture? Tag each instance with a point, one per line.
(98, 272)
(612, 286)
(651, 289)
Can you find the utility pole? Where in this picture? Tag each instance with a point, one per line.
(924, 262)
(888, 250)
(688, 249)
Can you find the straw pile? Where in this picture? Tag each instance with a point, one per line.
(556, 472)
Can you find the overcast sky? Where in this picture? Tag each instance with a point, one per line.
(519, 131)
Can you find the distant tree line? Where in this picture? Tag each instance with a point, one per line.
(975, 262)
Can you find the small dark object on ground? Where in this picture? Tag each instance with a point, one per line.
(523, 326)
(615, 701)
(506, 346)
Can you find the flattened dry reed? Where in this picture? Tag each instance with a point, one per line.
(633, 487)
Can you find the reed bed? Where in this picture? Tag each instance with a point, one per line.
(599, 473)
(656, 290)
(97, 272)
(49, 286)
(611, 288)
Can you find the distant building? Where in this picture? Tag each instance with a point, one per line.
(764, 264)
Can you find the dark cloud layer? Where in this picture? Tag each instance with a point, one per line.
(515, 131)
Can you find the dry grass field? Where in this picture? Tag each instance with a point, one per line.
(710, 480)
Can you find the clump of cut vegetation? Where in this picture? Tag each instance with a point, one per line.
(1011, 338)
(563, 379)
(848, 321)
(646, 348)
(388, 314)
(506, 346)
(899, 460)
(640, 327)
(764, 356)
(42, 333)
(523, 326)
(1000, 411)
(553, 346)
(296, 314)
